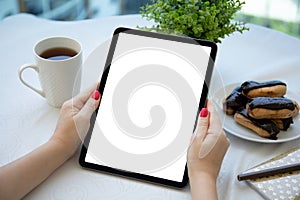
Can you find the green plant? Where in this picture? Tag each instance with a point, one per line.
(203, 19)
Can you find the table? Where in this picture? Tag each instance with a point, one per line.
(27, 121)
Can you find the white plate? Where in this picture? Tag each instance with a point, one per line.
(236, 129)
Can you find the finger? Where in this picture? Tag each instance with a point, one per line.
(202, 124)
(213, 133)
(81, 98)
(199, 135)
(213, 111)
(220, 141)
(90, 105)
(208, 144)
(215, 125)
(201, 129)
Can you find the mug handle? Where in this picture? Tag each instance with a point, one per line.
(26, 66)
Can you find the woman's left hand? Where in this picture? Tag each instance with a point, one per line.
(74, 119)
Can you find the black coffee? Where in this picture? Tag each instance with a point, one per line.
(58, 53)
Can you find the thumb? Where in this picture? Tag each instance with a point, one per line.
(208, 144)
(202, 124)
(213, 133)
(199, 134)
(90, 105)
(201, 128)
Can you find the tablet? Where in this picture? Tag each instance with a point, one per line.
(153, 86)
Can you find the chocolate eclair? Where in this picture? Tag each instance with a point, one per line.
(297, 108)
(235, 101)
(252, 89)
(283, 124)
(270, 108)
(263, 127)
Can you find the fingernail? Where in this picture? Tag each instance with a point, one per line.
(96, 95)
(203, 112)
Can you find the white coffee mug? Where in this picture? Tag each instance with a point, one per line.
(58, 64)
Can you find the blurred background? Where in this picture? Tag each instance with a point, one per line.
(282, 15)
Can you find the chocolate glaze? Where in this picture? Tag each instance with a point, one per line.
(236, 99)
(250, 85)
(266, 124)
(271, 103)
(238, 89)
(286, 123)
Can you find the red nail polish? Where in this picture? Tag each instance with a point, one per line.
(203, 112)
(96, 95)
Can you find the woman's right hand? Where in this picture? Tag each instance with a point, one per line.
(206, 152)
(209, 144)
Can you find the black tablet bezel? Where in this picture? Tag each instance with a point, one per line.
(208, 75)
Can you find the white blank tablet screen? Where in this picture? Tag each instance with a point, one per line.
(149, 106)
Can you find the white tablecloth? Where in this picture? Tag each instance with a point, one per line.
(27, 121)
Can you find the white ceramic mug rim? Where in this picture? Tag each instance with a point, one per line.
(57, 37)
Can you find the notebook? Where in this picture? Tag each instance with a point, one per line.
(283, 186)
